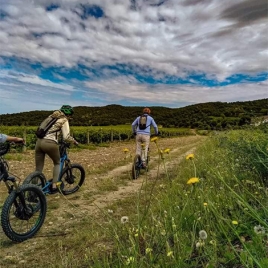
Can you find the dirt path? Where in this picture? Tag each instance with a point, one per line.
(135, 185)
(102, 165)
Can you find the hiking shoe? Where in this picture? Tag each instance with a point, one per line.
(53, 190)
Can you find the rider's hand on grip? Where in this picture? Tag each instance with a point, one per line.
(19, 140)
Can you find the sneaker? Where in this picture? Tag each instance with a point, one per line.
(53, 190)
(144, 165)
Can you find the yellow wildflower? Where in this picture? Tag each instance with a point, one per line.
(170, 253)
(148, 250)
(190, 157)
(205, 204)
(167, 151)
(154, 139)
(126, 150)
(212, 242)
(193, 180)
(129, 260)
(235, 222)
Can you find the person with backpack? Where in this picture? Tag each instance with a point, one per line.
(141, 128)
(47, 141)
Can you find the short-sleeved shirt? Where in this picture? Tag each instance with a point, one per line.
(3, 138)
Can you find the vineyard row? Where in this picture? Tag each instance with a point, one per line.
(96, 135)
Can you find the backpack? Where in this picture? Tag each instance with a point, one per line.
(45, 126)
(142, 122)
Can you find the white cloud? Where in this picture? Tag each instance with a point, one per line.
(173, 38)
(38, 81)
(127, 88)
(32, 79)
(188, 37)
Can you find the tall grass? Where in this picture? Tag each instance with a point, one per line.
(213, 213)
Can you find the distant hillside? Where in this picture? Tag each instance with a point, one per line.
(211, 115)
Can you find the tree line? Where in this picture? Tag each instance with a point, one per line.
(209, 116)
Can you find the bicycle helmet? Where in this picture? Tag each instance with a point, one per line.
(146, 111)
(67, 109)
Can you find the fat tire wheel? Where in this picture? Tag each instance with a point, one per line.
(68, 186)
(7, 213)
(37, 178)
(135, 168)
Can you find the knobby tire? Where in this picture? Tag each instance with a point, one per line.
(72, 180)
(14, 210)
(135, 167)
(37, 178)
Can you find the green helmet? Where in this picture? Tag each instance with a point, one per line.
(67, 109)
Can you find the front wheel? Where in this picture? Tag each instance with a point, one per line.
(22, 216)
(37, 178)
(136, 167)
(72, 178)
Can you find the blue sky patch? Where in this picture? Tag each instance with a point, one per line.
(143, 75)
(91, 10)
(3, 14)
(52, 7)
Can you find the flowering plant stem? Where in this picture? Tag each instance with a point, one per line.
(194, 168)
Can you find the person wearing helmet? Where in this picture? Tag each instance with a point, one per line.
(141, 128)
(48, 145)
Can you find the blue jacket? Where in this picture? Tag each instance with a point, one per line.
(147, 131)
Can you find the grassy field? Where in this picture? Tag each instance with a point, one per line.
(202, 204)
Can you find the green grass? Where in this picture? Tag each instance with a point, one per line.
(14, 156)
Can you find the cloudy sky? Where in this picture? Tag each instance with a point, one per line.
(170, 53)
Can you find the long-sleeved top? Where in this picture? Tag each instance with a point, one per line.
(60, 126)
(147, 131)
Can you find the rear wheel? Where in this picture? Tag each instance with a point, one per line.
(72, 178)
(22, 217)
(136, 167)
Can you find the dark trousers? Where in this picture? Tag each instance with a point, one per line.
(51, 148)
